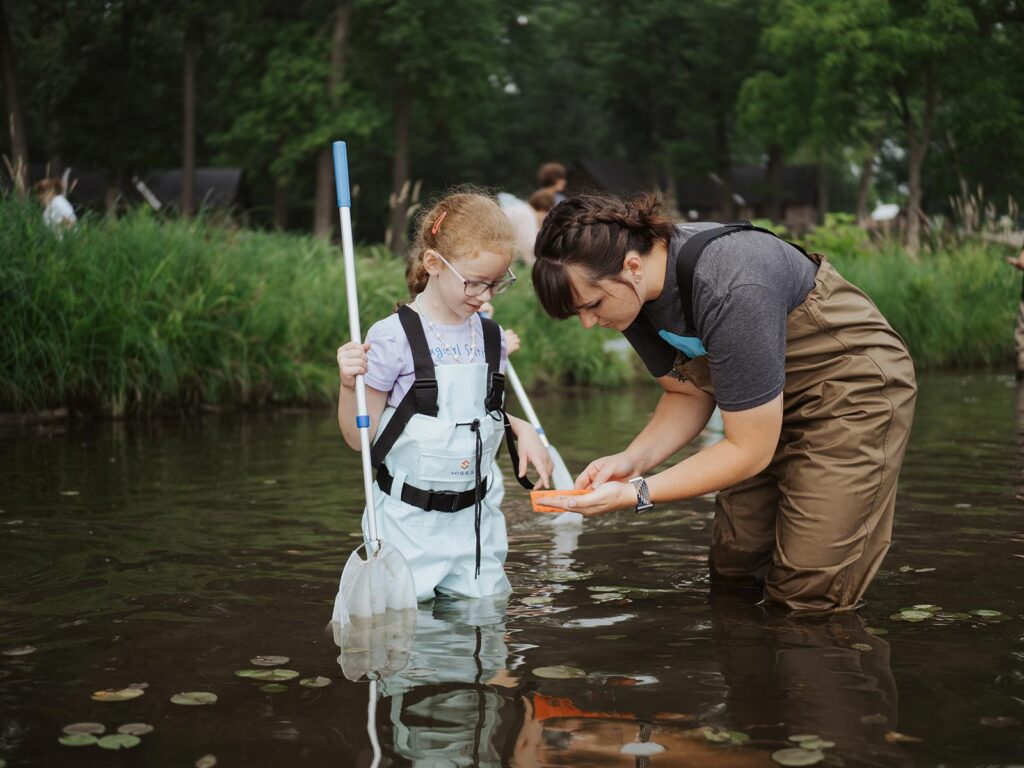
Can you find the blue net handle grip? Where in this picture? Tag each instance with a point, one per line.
(341, 174)
(363, 422)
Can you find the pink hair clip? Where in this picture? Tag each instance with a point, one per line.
(437, 223)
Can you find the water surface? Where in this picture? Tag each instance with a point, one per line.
(171, 553)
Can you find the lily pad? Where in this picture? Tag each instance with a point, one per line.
(723, 736)
(875, 719)
(206, 761)
(93, 728)
(915, 615)
(315, 682)
(268, 661)
(135, 729)
(273, 688)
(604, 597)
(797, 756)
(927, 606)
(876, 630)
(539, 600)
(268, 674)
(119, 741)
(77, 739)
(120, 694)
(194, 698)
(862, 647)
(802, 737)
(21, 650)
(559, 673)
(985, 613)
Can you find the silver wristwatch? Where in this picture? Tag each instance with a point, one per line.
(643, 495)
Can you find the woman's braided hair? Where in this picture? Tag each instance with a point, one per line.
(594, 232)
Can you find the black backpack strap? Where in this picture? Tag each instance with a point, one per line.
(689, 255)
(421, 397)
(495, 402)
(495, 397)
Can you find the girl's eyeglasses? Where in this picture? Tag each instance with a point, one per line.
(475, 288)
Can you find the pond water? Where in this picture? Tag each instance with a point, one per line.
(170, 554)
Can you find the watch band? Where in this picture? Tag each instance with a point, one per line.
(643, 495)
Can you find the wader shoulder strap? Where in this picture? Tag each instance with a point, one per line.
(495, 401)
(689, 255)
(421, 397)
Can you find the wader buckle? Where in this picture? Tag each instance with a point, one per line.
(443, 501)
(426, 396)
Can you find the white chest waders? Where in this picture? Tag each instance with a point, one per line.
(433, 455)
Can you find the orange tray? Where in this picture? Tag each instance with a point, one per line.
(536, 496)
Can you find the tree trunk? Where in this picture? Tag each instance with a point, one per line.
(823, 201)
(15, 120)
(866, 179)
(918, 146)
(724, 167)
(773, 180)
(188, 162)
(400, 174)
(280, 204)
(324, 209)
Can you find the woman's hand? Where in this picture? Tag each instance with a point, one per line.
(617, 467)
(609, 497)
(352, 362)
(1018, 262)
(532, 451)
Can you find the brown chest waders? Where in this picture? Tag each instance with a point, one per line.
(813, 528)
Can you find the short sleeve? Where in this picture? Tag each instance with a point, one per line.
(504, 351)
(386, 358)
(744, 333)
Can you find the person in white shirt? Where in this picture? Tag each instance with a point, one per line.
(57, 211)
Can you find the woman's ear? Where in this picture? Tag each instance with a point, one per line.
(432, 262)
(633, 267)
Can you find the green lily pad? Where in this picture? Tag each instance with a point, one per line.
(120, 694)
(194, 698)
(206, 761)
(93, 728)
(875, 719)
(863, 647)
(985, 613)
(21, 650)
(268, 674)
(604, 597)
(268, 661)
(119, 741)
(876, 631)
(915, 615)
(536, 600)
(77, 739)
(273, 688)
(797, 756)
(135, 729)
(559, 673)
(927, 607)
(802, 737)
(723, 736)
(315, 682)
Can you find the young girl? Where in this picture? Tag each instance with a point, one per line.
(434, 396)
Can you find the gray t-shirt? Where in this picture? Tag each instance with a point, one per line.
(745, 285)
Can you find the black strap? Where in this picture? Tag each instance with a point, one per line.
(495, 399)
(422, 395)
(689, 255)
(432, 501)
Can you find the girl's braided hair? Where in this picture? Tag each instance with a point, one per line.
(594, 232)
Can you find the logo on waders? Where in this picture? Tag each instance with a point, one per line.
(465, 464)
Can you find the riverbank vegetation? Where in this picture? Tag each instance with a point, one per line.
(142, 314)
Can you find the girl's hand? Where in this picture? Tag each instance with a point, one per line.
(512, 343)
(352, 362)
(608, 498)
(617, 467)
(533, 451)
(1018, 262)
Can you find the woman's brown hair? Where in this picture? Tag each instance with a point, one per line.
(459, 226)
(594, 232)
